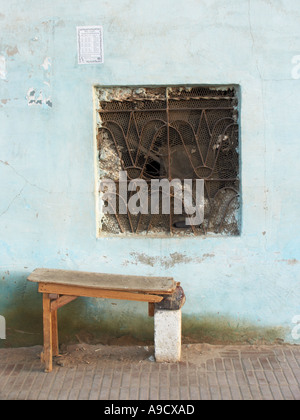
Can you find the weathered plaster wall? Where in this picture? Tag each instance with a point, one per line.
(237, 288)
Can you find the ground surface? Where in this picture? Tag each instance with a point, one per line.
(130, 373)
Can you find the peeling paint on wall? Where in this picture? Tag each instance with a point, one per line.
(37, 99)
(2, 67)
(30, 96)
(47, 63)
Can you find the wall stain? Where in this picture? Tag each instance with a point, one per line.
(290, 261)
(11, 51)
(175, 258)
(24, 328)
(97, 323)
(213, 329)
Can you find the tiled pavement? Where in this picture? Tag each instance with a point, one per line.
(129, 373)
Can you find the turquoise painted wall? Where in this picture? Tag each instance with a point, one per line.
(47, 176)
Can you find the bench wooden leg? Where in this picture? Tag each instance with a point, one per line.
(55, 345)
(47, 324)
(151, 308)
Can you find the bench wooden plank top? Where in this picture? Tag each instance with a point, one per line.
(103, 281)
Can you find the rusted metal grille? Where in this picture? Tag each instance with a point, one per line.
(172, 132)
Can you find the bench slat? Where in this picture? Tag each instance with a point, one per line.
(98, 293)
(104, 281)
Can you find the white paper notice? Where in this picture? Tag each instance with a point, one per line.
(90, 44)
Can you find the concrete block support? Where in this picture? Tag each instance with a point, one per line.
(167, 335)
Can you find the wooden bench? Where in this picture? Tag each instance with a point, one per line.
(60, 287)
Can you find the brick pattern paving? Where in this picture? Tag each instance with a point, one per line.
(205, 373)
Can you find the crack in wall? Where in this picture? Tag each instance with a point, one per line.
(253, 39)
(265, 201)
(13, 200)
(21, 176)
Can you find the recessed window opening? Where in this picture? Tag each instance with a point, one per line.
(171, 133)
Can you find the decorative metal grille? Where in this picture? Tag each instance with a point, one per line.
(172, 132)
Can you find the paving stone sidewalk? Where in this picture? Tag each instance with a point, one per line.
(206, 372)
